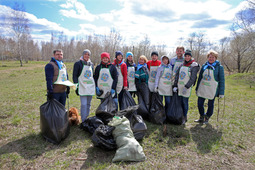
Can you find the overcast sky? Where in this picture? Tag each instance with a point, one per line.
(163, 21)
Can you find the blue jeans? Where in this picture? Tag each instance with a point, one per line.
(200, 104)
(167, 101)
(85, 106)
(61, 97)
(185, 105)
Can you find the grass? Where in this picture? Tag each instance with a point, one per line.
(226, 144)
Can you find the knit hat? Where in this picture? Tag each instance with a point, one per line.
(118, 53)
(154, 53)
(188, 52)
(128, 54)
(86, 51)
(105, 54)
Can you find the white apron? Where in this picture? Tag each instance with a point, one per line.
(152, 77)
(62, 78)
(176, 66)
(104, 81)
(183, 79)
(131, 79)
(86, 82)
(165, 85)
(208, 85)
(120, 80)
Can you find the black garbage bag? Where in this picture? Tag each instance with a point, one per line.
(138, 126)
(107, 109)
(143, 100)
(127, 100)
(102, 137)
(157, 110)
(91, 124)
(175, 111)
(54, 121)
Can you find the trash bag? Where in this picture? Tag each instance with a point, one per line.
(102, 137)
(107, 109)
(54, 122)
(127, 100)
(175, 111)
(91, 124)
(128, 147)
(157, 110)
(143, 100)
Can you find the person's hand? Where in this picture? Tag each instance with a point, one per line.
(125, 88)
(98, 91)
(175, 89)
(76, 91)
(49, 96)
(112, 92)
(221, 96)
(156, 89)
(184, 91)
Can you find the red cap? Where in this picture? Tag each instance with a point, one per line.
(105, 54)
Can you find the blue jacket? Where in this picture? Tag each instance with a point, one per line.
(218, 76)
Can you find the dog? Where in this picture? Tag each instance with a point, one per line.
(73, 116)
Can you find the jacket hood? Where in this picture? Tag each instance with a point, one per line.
(163, 57)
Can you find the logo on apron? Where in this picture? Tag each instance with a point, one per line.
(104, 77)
(182, 75)
(153, 74)
(132, 74)
(63, 77)
(207, 77)
(87, 74)
(168, 76)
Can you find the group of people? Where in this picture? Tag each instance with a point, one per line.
(165, 76)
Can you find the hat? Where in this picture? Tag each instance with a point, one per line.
(86, 51)
(105, 54)
(188, 52)
(118, 53)
(128, 54)
(154, 53)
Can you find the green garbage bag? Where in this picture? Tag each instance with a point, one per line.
(128, 147)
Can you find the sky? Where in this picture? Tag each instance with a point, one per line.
(163, 21)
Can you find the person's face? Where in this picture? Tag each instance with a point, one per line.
(141, 61)
(154, 57)
(187, 57)
(179, 53)
(86, 56)
(211, 58)
(165, 60)
(119, 57)
(105, 60)
(58, 56)
(130, 58)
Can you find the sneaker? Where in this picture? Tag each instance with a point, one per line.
(206, 120)
(200, 120)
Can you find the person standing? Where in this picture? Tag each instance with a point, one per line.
(185, 78)
(131, 68)
(106, 78)
(57, 78)
(122, 75)
(163, 83)
(83, 78)
(211, 84)
(177, 61)
(153, 65)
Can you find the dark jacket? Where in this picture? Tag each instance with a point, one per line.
(194, 68)
(141, 75)
(113, 72)
(77, 69)
(218, 75)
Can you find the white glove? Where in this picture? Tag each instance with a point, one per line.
(156, 90)
(184, 91)
(221, 96)
(175, 89)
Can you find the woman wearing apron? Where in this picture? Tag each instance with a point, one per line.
(185, 78)
(106, 78)
(83, 78)
(122, 75)
(153, 65)
(211, 84)
(131, 68)
(163, 83)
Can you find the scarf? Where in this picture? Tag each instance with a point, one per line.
(188, 63)
(59, 63)
(207, 64)
(141, 65)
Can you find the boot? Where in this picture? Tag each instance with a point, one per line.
(200, 120)
(206, 120)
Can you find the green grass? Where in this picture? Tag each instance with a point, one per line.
(224, 144)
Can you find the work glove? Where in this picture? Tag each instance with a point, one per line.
(221, 96)
(184, 91)
(134, 93)
(112, 92)
(156, 89)
(76, 91)
(49, 96)
(175, 89)
(98, 91)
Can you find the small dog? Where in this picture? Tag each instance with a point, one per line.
(73, 116)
